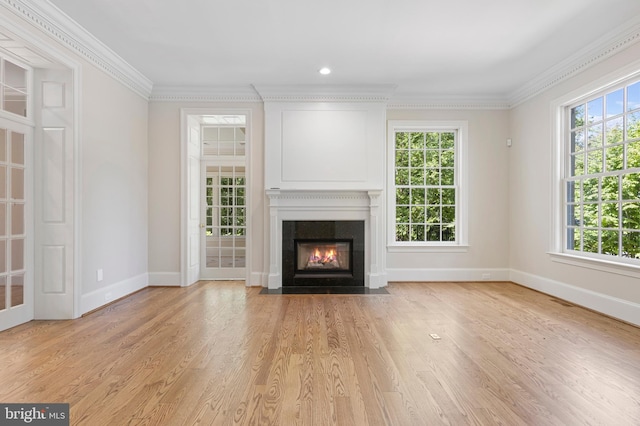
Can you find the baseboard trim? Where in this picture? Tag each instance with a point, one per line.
(611, 306)
(103, 296)
(258, 279)
(164, 279)
(441, 274)
(377, 281)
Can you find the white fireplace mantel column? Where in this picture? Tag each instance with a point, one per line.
(377, 274)
(328, 205)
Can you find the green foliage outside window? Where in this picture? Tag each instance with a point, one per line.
(231, 211)
(232, 200)
(603, 186)
(425, 201)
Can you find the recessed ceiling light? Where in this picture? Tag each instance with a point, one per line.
(324, 71)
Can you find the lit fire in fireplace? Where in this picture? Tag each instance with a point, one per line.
(323, 258)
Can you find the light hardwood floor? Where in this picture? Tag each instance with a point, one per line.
(219, 353)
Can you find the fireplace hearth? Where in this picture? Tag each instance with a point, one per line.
(322, 253)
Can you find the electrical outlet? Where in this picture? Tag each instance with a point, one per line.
(486, 276)
(108, 296)
(99, 275)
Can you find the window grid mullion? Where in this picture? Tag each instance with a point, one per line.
(606, 231)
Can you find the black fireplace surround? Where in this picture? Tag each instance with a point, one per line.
(323, 253)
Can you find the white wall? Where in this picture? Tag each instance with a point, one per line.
(324, 145)
(111, 125)
(164, 189)
(530, 216)
(113, 144)
(488, 251)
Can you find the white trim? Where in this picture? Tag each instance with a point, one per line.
(557, 148)
(321, 205)
(55, 23)
(77, 190)
(258, 279)
(204, 94)
(55, 54)
(447, 274)
(461, 170)
(603, 265)
(317, 93)
(240, 94)
(108, 294)
(164, 279)
(608, 305)
(184, 191)
(557, 239)
(431, 103)
(606, 46)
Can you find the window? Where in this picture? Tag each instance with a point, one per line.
(232, 206)
(602, 175)
(426, 191)
(14, 88)
(224, 140)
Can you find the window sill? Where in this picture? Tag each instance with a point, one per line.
(427, 248)
(619, 268)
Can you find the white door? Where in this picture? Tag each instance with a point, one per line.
(194, 225)
(16, 224)
(224, 212)
(224, 196)
(55, 196)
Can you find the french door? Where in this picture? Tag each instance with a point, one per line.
(224, 248)
(16, 229)
(215, 209)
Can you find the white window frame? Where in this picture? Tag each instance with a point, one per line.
(28, 91)
(560, 126)
(461, 184)
(234, 207)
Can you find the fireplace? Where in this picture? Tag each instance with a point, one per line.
(323, 253)
(347, 215)
(315, 257)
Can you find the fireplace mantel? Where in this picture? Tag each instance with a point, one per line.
(322, 205)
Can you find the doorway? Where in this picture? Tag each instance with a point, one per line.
(16, 224)
(223, 197)
(216, 208)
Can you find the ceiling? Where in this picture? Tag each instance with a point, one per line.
(445, 48)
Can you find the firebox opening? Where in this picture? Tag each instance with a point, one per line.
(326, 253)
(323, 256)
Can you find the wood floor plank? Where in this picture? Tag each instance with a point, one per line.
(222, 354)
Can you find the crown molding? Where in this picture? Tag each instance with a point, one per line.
(239, 94)
(615, 42)
(52, 21)
(436, 103)
(317, 93)
(48, 18)
(231, 94)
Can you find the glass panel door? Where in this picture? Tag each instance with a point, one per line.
(225, 221)
(15, 292)
(224, 197)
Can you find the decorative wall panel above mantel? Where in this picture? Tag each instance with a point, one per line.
(324, 145)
